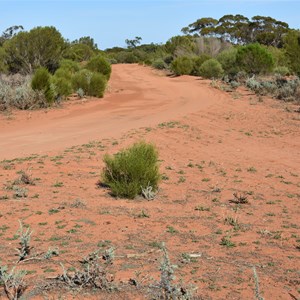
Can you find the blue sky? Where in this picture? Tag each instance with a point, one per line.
(110, 22)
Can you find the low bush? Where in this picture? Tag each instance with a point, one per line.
(197, 63)
(182, 65)
(97, 85)
(16, 92)
(81, 80)
(131, 170)
(211, 69)
(159, 64)
(41, 81)
(69, 65)
(99, 64)
(282, 71)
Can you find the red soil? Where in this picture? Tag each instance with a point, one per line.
(211, 146)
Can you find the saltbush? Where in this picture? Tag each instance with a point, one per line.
(254, 59)
(211, 69)
(97, 85)
(131, 170)
(182, 65)
(99, 64)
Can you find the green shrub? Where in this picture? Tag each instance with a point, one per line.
(63, 86)
(125, 57)
(70, 65)
(99, 64)
(41, 81)
(131, 170)
(282, 71)
(254, 59)
(182, 65)
(227, 59)
(97, 85)
(198, 61)
(81, 80)
(159, 64)
(211, 69)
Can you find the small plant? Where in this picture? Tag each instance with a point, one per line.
(166, 289)
(240, 199)
(25, 236)
(51, 252)
(226, 241)
(148, 192)
(91, 274)
(13, 282)
(80, 93)
(130, 171)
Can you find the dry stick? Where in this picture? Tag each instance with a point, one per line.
(256, 281)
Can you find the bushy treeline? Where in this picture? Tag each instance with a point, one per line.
(231, 47)
(48, 67)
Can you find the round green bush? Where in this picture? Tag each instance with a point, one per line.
(99, 64)
(198, 61)
(254, 59)
(81, 80)
(227, 59)
(124, 57)
(211, 69)
(63, 86)
(97, 85)
(182, 65)
(131, 170)
(41, 81)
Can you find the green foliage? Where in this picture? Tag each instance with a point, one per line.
(125, 57)
(81, 80)
(69, 65)
(40, 47)
(292, 48)
(283, 71)
(198, 61)
(240, 29)
(227, 59)
(41, 81)
(254, 59)
(99, 64)
(97, 85)
(3, 65)
(131, 170)
(176, 43)
(211, 69)
(78, 52)
(182, 65)
(159, 64)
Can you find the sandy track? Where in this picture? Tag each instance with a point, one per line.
(138, 97)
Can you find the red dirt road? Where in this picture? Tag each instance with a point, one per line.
(138, 97)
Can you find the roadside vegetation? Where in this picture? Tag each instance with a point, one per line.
(40, 68)
(234, 49)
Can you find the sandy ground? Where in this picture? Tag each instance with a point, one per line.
(212, 144)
